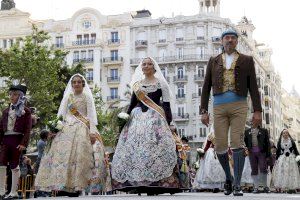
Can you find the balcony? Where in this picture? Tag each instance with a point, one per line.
(200, 40)
(114, 79)
(179, 40)
(84, 42)
(162, 42)
(83, 60)
(216, 40)
(198, 78)
(113, 42)
(181, 116)
(180, 96)
(141, 43)
(175, 59)
(113, 98)
(112, 60)
(180, 78)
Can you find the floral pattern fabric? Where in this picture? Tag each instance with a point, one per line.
(68, 164)
(210, 174)
(146, 152)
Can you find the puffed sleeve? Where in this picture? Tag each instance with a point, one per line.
(166, 102)
(91, 115)
(133, 103)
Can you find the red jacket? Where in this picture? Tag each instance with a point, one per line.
(23, 125)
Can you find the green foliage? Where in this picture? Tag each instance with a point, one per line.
(42, 68)
(108, 122)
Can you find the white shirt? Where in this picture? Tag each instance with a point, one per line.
(229, 60)
(11, 119)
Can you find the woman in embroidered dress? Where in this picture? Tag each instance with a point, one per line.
(286, 172)
(210, 174)
(246, 180)
(68, 164)
(145, 156)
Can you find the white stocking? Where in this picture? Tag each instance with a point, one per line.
(15, 181)
(2, 179)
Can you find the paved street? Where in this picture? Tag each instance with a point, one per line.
(194, 196)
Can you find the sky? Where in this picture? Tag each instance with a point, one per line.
(276, 21)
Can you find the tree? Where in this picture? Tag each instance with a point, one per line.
(41, 67)
(108, 124)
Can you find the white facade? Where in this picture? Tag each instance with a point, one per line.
(112, 46)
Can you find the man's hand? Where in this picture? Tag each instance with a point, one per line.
(205, 119)
(21, 147)
(256, 119)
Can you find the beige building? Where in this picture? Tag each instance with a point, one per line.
(291, 113)
(112, 46)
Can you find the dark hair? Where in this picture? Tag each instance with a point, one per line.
(77, 75)
(184, 139)
(280, 137)
(44, 134)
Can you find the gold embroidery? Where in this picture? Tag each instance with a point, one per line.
(228, 74)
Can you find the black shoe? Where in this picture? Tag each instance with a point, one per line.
(237, 192)
(228, 187)
(266, 190)
(216, 190)
(8, 197)
(255, 191)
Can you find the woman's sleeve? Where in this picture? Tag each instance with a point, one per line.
(166, 102)
(133, 103)
(91, 115)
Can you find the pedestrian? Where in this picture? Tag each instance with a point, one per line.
(67, 166)
(145, 156)
(15, 127)
(231, 75)
(258, 144)
(286, 175)
(41, 148)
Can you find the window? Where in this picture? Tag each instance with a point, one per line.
(114, 37)
(180, 111)
(180, 91)
(114, 55)
(5, 44)
(200, 52)
(83, 55)
(200, 33)
(162, 54)
(200, 72)
(179, 34)
(76, 56)
(87, 24)
(91, 55)
(164, 71)
(114, 93)
(181, 132)
(89, 75)
(199, 90)
(267, 118)
(79, 39)
(114, 73)
(180, 73)
(162, 36)
(202, 132)
(179, 53)
(59, 42)
(93, 38)
(11, 42)
(86, 38)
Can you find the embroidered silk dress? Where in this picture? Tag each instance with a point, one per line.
(68, 164)
(145, 156)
